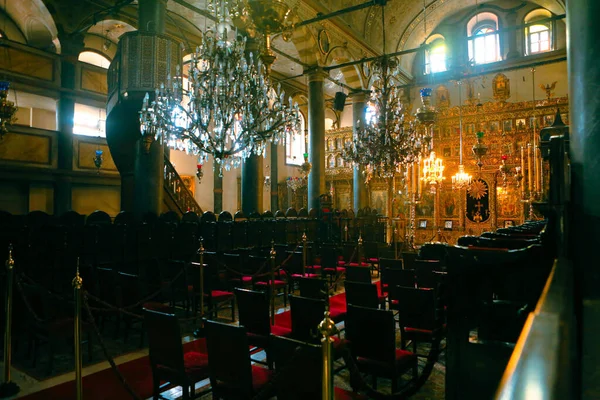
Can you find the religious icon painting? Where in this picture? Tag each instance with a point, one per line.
(507, 125)
(548, 120)
(521, 125)
(494, 126)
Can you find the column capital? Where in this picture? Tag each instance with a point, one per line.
(358, 96)
(316, 73)
(71, 45)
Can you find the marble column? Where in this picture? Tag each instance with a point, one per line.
(583, 31)
(274, 171)
(252, 166)
(316, 136)
(251, 178)
(71, 47)
(218, 194)
(358, 179)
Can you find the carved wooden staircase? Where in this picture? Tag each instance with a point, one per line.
(177, 197)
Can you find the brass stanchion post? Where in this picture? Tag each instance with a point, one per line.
(198, 332)
(359, 249)
(346, 231)
(273, 253)
(8, 388)
(77, 286)
(328, 329)
(304, 256)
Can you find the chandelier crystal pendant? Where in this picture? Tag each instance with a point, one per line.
(7, 109)
(229, 110)
(461, 179)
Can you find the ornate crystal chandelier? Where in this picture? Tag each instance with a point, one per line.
(433, 171)
(295, 183)
(385, 142)
(461, 179)
(229, 109)
(480, 150)
(7, 109)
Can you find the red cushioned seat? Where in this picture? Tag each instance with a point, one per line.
(337, 313)
(373, 260)
(280, 330)
(355, 264)
(305, 275)
(343, 394)
(276, 283)
(314, 267)
(219, 295)
(260, 377)
(404, 360)
(196, 365)
(243, 279)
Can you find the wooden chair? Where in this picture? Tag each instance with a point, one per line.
(300, 367)
(372, 337)
(253, 314)
(215, 294)
(231, 374)
(364, 295)
(418, 314)
(307, 314)
(358, 274)
(167, 359)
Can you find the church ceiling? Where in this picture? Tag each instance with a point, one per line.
(354, 35)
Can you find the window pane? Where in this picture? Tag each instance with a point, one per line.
(89, 121)
(294, 145)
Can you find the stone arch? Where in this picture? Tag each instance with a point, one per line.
(103, 36)
(353, 73)
(306, 44)
(35, 22)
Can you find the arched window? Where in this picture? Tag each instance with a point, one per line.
(97, 59)
(295, 145)
(484, 43)
(538, 36)
(435, 56)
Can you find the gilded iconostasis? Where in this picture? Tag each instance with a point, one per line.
(512, 173)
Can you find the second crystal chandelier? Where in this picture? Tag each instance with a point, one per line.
(385, 142)
(229, 109)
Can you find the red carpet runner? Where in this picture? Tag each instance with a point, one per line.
(105, 385)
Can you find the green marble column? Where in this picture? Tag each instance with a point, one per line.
(316, 136)
(71, 47)
(358, 179)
